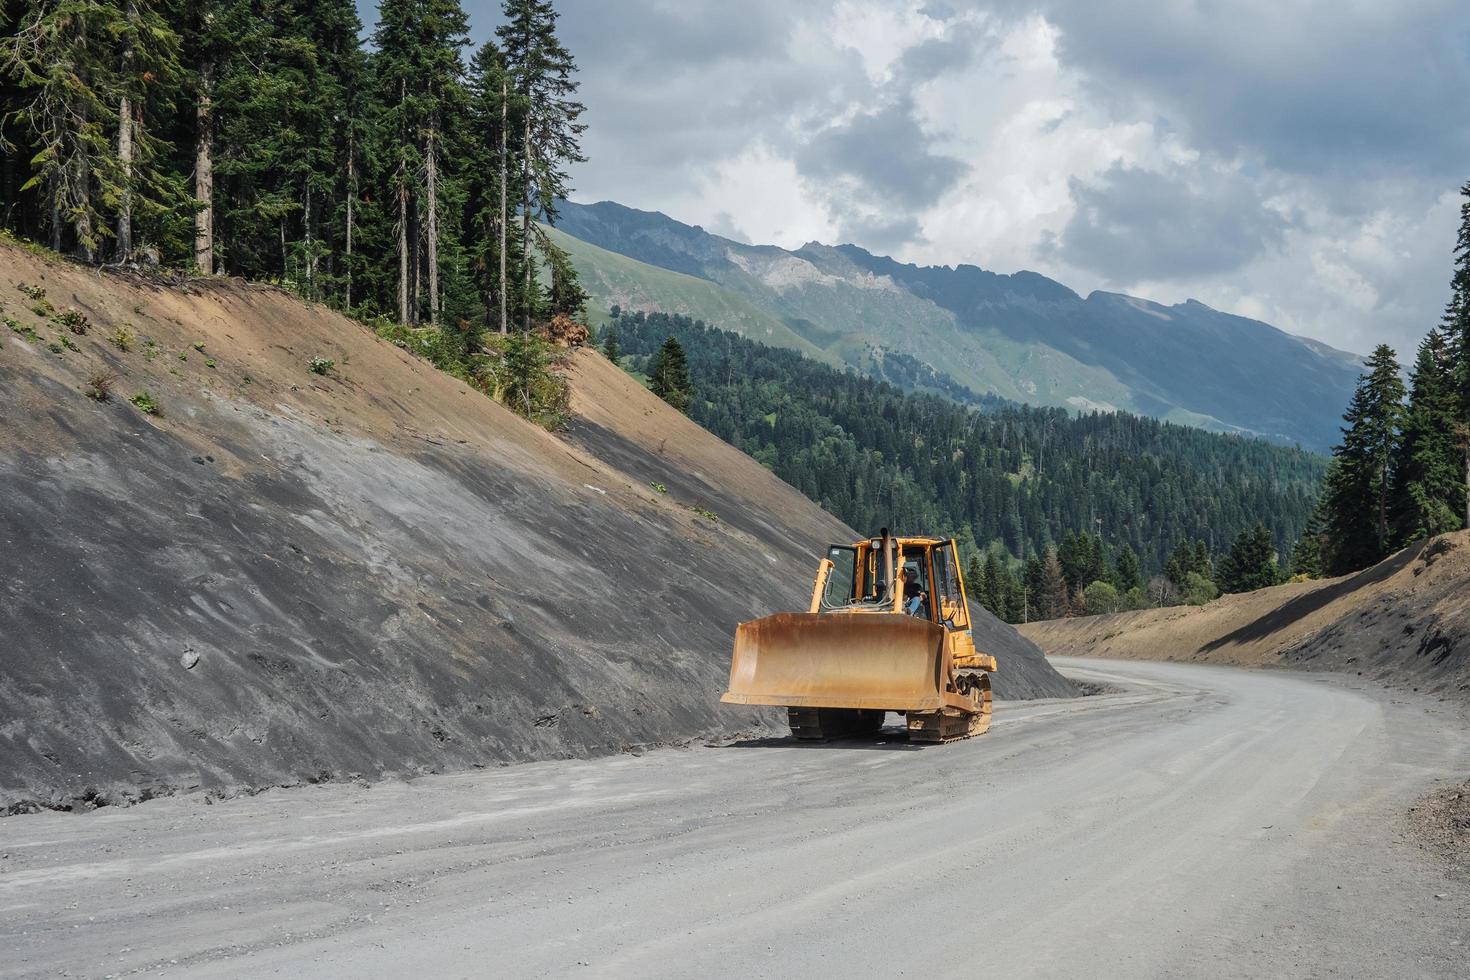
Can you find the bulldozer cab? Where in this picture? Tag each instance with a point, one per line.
(927, 568)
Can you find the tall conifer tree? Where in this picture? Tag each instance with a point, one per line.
(1357, 494)
(420, 82)
(1428, 476)
(1457, 326)
(540, 69)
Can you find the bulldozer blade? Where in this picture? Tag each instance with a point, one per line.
(874, 661)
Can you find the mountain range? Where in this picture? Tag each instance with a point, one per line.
(1021, 336)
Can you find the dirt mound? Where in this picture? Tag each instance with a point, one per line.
(1441, 823)
(323, 559)
(1405, 621)
(565, 332)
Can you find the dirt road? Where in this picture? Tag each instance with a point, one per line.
(1209, 822)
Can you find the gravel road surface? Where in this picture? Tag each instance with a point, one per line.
(1206, 822)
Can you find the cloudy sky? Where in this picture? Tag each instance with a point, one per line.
(1293, 161)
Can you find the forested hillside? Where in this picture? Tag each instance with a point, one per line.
(397, 173)
(1015, 478)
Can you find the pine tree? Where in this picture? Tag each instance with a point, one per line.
(494, 137)
(90, 73)
(1358, 488)
(1081, 557)
(610, 344)
(207, 43)
(977, 582)
(564, 293)
(1033, 584)
(1188, 558)
(1306, 557)
(1127, 573)
(1052, 599)
(1202, 564)
(1251, 562)
(1457, 326)
(668, 374)
(281, 136)
(420, 82)
(994, 592)
(1010, 593)
(1428, 479)
(540, 69)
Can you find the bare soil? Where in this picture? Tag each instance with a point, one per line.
(1441, 822)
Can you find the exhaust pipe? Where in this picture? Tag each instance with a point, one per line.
(824, 570)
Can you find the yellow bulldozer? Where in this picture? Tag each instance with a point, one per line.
(888, 630)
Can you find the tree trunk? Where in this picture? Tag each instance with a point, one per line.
(125, 165)
(55, 214)
(402, 220)
(402, 248)
(310, 250)
(1467, 484)
(1383, 510)
(431, 232)
(204, 175)
(83, 223)
(416, 243)
(526, 223)
(504, 173)
(125, 155)
(351, 193)
(8, 166)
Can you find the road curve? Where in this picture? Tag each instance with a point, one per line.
(1206, 822)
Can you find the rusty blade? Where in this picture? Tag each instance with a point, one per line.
(892, 662)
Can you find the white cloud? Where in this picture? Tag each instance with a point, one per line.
(761, 197)
(881, 32)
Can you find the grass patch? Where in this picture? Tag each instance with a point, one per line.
(320, 365)
(25, 330)
(145, 403)
(123, 339)
(518, 370)
(99, 385)
(74, 320)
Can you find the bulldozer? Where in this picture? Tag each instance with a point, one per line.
(888, 629)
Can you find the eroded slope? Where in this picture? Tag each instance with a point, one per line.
(1405, 622)
(288, 576)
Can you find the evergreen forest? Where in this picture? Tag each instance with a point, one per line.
(1018, 484)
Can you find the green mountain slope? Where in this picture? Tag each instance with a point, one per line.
(1022, 337)
(1016, 476)
(616, 280)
